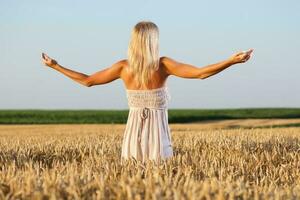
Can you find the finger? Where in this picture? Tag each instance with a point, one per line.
(247, 58)
(46, 57)
(247, 54)
(250, 51)
(43, 59)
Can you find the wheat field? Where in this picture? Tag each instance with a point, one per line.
(83, 162)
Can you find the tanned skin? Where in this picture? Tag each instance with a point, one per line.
(168, 66)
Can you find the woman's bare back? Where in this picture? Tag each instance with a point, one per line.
(158, 79)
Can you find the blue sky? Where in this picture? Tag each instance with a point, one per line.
(88, 36)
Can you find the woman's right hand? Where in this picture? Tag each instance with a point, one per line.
(241, 57)
(48, 61)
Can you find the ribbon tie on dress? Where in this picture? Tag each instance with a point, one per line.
(144, 115)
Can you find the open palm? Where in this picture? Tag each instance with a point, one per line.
(241, 57)
(48, 61)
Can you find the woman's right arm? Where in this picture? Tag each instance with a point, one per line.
(103, 76)
(183, 70)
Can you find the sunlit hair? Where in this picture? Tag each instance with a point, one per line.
(143, 52)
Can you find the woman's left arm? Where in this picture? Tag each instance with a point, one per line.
(102, 77)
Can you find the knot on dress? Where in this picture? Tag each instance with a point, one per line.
(145, 113)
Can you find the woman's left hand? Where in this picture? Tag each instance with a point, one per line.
(241, 57)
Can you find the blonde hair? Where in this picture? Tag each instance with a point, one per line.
(143, 51)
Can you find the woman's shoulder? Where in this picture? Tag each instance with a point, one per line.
(165, 60)
(168, 62)
(123, 62)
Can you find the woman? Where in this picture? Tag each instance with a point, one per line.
(147, 133)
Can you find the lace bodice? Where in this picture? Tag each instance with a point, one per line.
(154, 98)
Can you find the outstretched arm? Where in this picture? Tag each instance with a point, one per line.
(183, 70)
(102, 77)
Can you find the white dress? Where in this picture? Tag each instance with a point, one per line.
(147, 133)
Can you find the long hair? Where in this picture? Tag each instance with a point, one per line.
(143, 52)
